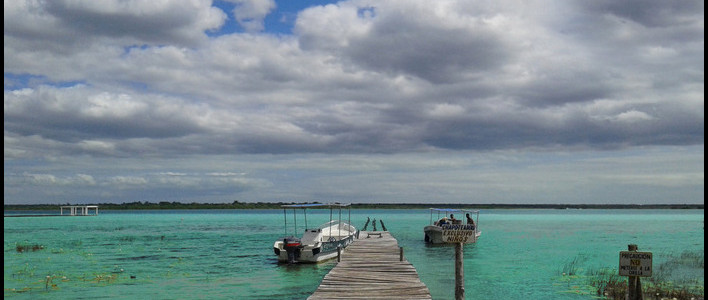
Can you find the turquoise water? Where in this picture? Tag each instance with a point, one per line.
(227, 254)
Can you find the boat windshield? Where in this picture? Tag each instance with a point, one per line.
(341, 225)
(445, 212)
(333, 219)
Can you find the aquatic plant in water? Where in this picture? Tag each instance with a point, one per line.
(668, 282)
(25, 271)
(101, 278)
(49, 282)
(663, 284)
(570, 268)
(572, 277)
(28, 247)
(608, 283)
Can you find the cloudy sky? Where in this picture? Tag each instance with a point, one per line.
(399, 101)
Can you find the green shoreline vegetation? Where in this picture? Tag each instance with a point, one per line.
(606, 283)
(277, 205)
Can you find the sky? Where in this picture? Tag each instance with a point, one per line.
(398, 101)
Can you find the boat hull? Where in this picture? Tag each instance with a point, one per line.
(313, 253)
(450, 234)
(316, 244)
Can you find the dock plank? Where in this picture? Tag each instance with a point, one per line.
(370, 268)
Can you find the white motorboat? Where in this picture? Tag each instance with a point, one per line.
(315, 244)
(452, 230)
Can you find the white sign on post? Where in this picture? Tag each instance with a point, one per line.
(632, 263)
(454, 234)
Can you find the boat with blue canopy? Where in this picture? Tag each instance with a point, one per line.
(452, 230)
(318, 243)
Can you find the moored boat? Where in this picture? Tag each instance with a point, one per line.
(450, 230)
(316, 244)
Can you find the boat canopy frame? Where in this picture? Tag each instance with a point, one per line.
(304, 208)
(445, 211)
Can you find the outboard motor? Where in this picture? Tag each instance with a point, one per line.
(292, 245)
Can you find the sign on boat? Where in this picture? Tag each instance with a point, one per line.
(452, 230)
(315, 244)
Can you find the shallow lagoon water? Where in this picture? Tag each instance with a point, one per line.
(227, 254)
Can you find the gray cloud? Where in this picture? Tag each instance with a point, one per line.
(119, 80)
(397, 40)
(67, 22)
(653, 13)
(75, 114)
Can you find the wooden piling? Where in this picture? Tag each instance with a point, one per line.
(634, 284)
(459, 273)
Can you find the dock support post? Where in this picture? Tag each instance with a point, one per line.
(401, 254)
(459, 273)
(634, 285)
(339, 254)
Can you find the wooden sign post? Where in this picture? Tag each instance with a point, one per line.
(453, 231)
(635, 265)
(459, 234)
(459, 273)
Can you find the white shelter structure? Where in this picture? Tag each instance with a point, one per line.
(79, 210)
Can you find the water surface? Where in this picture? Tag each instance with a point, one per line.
(227, 254)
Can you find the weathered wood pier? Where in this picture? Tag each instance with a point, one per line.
(373, 267)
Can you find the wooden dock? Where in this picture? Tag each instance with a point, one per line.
(371, 268)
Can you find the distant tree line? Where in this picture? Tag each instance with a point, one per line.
(527, 206)
(275, 205)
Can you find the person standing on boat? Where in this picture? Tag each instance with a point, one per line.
(469, 220)
(453, 220)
